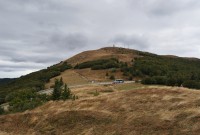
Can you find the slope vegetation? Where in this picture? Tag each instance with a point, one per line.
(108, 63)
(122, 54)
(130, 64)
(135, 110)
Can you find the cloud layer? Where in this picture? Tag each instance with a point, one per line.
(35, 34)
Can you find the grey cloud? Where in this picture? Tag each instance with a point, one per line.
(164, 7)
(67, 42)
(37, 60)
(134, 41)
(35, 34)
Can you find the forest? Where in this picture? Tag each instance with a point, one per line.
(165, 70)
(34, 81)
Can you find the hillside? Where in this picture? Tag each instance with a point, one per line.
(108, 63)
(132, 64)
(131, 109)
(122, 54)
(87, 75)
(6, 80)
(34, 81)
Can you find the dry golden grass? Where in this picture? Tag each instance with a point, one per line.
(99, 75)
(122, 54)
(70, 77)
(136, 110)
(83, 76)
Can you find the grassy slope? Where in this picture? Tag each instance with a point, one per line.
(143, 110)
(34, 80)
(122, 54)
(73, 77)
(70, 77)
(84, 76)
(130, 109)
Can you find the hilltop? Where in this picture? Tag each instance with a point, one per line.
(86, 75)
(131, 64)
(122, 54)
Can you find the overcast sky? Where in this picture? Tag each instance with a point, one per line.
(35, 34)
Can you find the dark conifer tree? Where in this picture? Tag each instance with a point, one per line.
(66, 93)
(57, 90)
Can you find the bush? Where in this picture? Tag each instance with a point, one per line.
(171, 82)
(107, 74)
(130, 78)
(2, 111)
(160, 80)
(96, 93)
(25, 99)
(99, 64)
(192, 84)
(113, 70)
(149, 81)
(112, 77)
(125, 73)
(97, 67)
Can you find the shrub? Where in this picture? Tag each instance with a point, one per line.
(149, 81)
(1, 111)
(130, 78)
(99, 64)
(97, 67)
(112, 77)
(192, 84)
(96, 93)
(26, 99)
(107, 74)
(113, 70)
(160, 80)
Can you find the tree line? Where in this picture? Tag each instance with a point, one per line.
(28, 99)
(34, 81)
(172, 71)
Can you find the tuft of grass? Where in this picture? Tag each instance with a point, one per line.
(107, 91)
(95, 93)
(130, 86)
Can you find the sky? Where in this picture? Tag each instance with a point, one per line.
(35, 34)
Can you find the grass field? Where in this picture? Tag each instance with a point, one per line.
(130, 109)
(70, 77)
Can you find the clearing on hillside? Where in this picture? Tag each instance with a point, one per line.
(71, 77)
